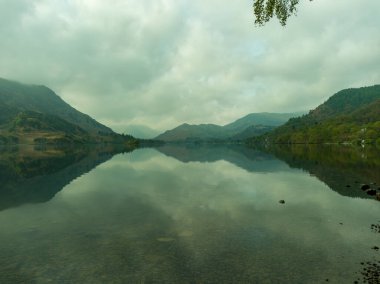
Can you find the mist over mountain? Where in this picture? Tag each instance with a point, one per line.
(253, 124)
(141, 131)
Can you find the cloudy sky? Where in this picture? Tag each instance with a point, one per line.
(160, 63)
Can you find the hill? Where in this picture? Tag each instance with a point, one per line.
(31, 114)
(188, 132)
(263, 118)
(16, 97)
(351, 115)
(250, 125)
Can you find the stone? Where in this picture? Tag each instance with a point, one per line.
(371, 192)
(378, 196)
(365, 187)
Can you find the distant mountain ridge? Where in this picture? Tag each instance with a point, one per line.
(16, 97)
(250, 125)
(351, 115)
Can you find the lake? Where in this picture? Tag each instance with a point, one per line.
(189, 214)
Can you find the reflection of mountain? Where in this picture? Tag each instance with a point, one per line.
(338, 167)
(247, 158)
(342, 168)
(28, 175)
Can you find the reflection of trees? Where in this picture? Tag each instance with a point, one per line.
(337, 166)
(342, 168)
(29, 175)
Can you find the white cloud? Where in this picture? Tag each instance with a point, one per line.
(162, 63)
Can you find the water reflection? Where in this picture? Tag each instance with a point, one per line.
(30, 174)
(342, 168)
(144, 217)
(250, 159)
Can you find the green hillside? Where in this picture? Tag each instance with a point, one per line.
(16, 97)
(28, 121)
(351, 115)
(31, 114)
(28, 127)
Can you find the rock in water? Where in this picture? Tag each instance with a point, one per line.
(365, 187)
(371, 192)
(378, 196)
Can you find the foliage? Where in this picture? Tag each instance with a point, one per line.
(264, 10)
(350, 116)
(28, 121)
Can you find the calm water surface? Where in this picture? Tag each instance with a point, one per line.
(182, 215)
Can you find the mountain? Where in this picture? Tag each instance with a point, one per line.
(251, 131)
(250, 125)
(263, 118)
(31, 114)
(351, 115)
(16, 97)
(187, 132)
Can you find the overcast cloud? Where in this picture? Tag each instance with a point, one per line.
(160, 63)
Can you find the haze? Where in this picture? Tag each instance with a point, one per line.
(159, 63)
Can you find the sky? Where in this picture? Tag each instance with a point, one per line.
(156, 64)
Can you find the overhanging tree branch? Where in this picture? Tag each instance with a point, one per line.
(264, 10)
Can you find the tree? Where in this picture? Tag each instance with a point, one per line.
(265, 9)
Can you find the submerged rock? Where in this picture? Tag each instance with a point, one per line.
(378, 196)
(370, 273)
(375, 228)
(365, 187)
(371, 192)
